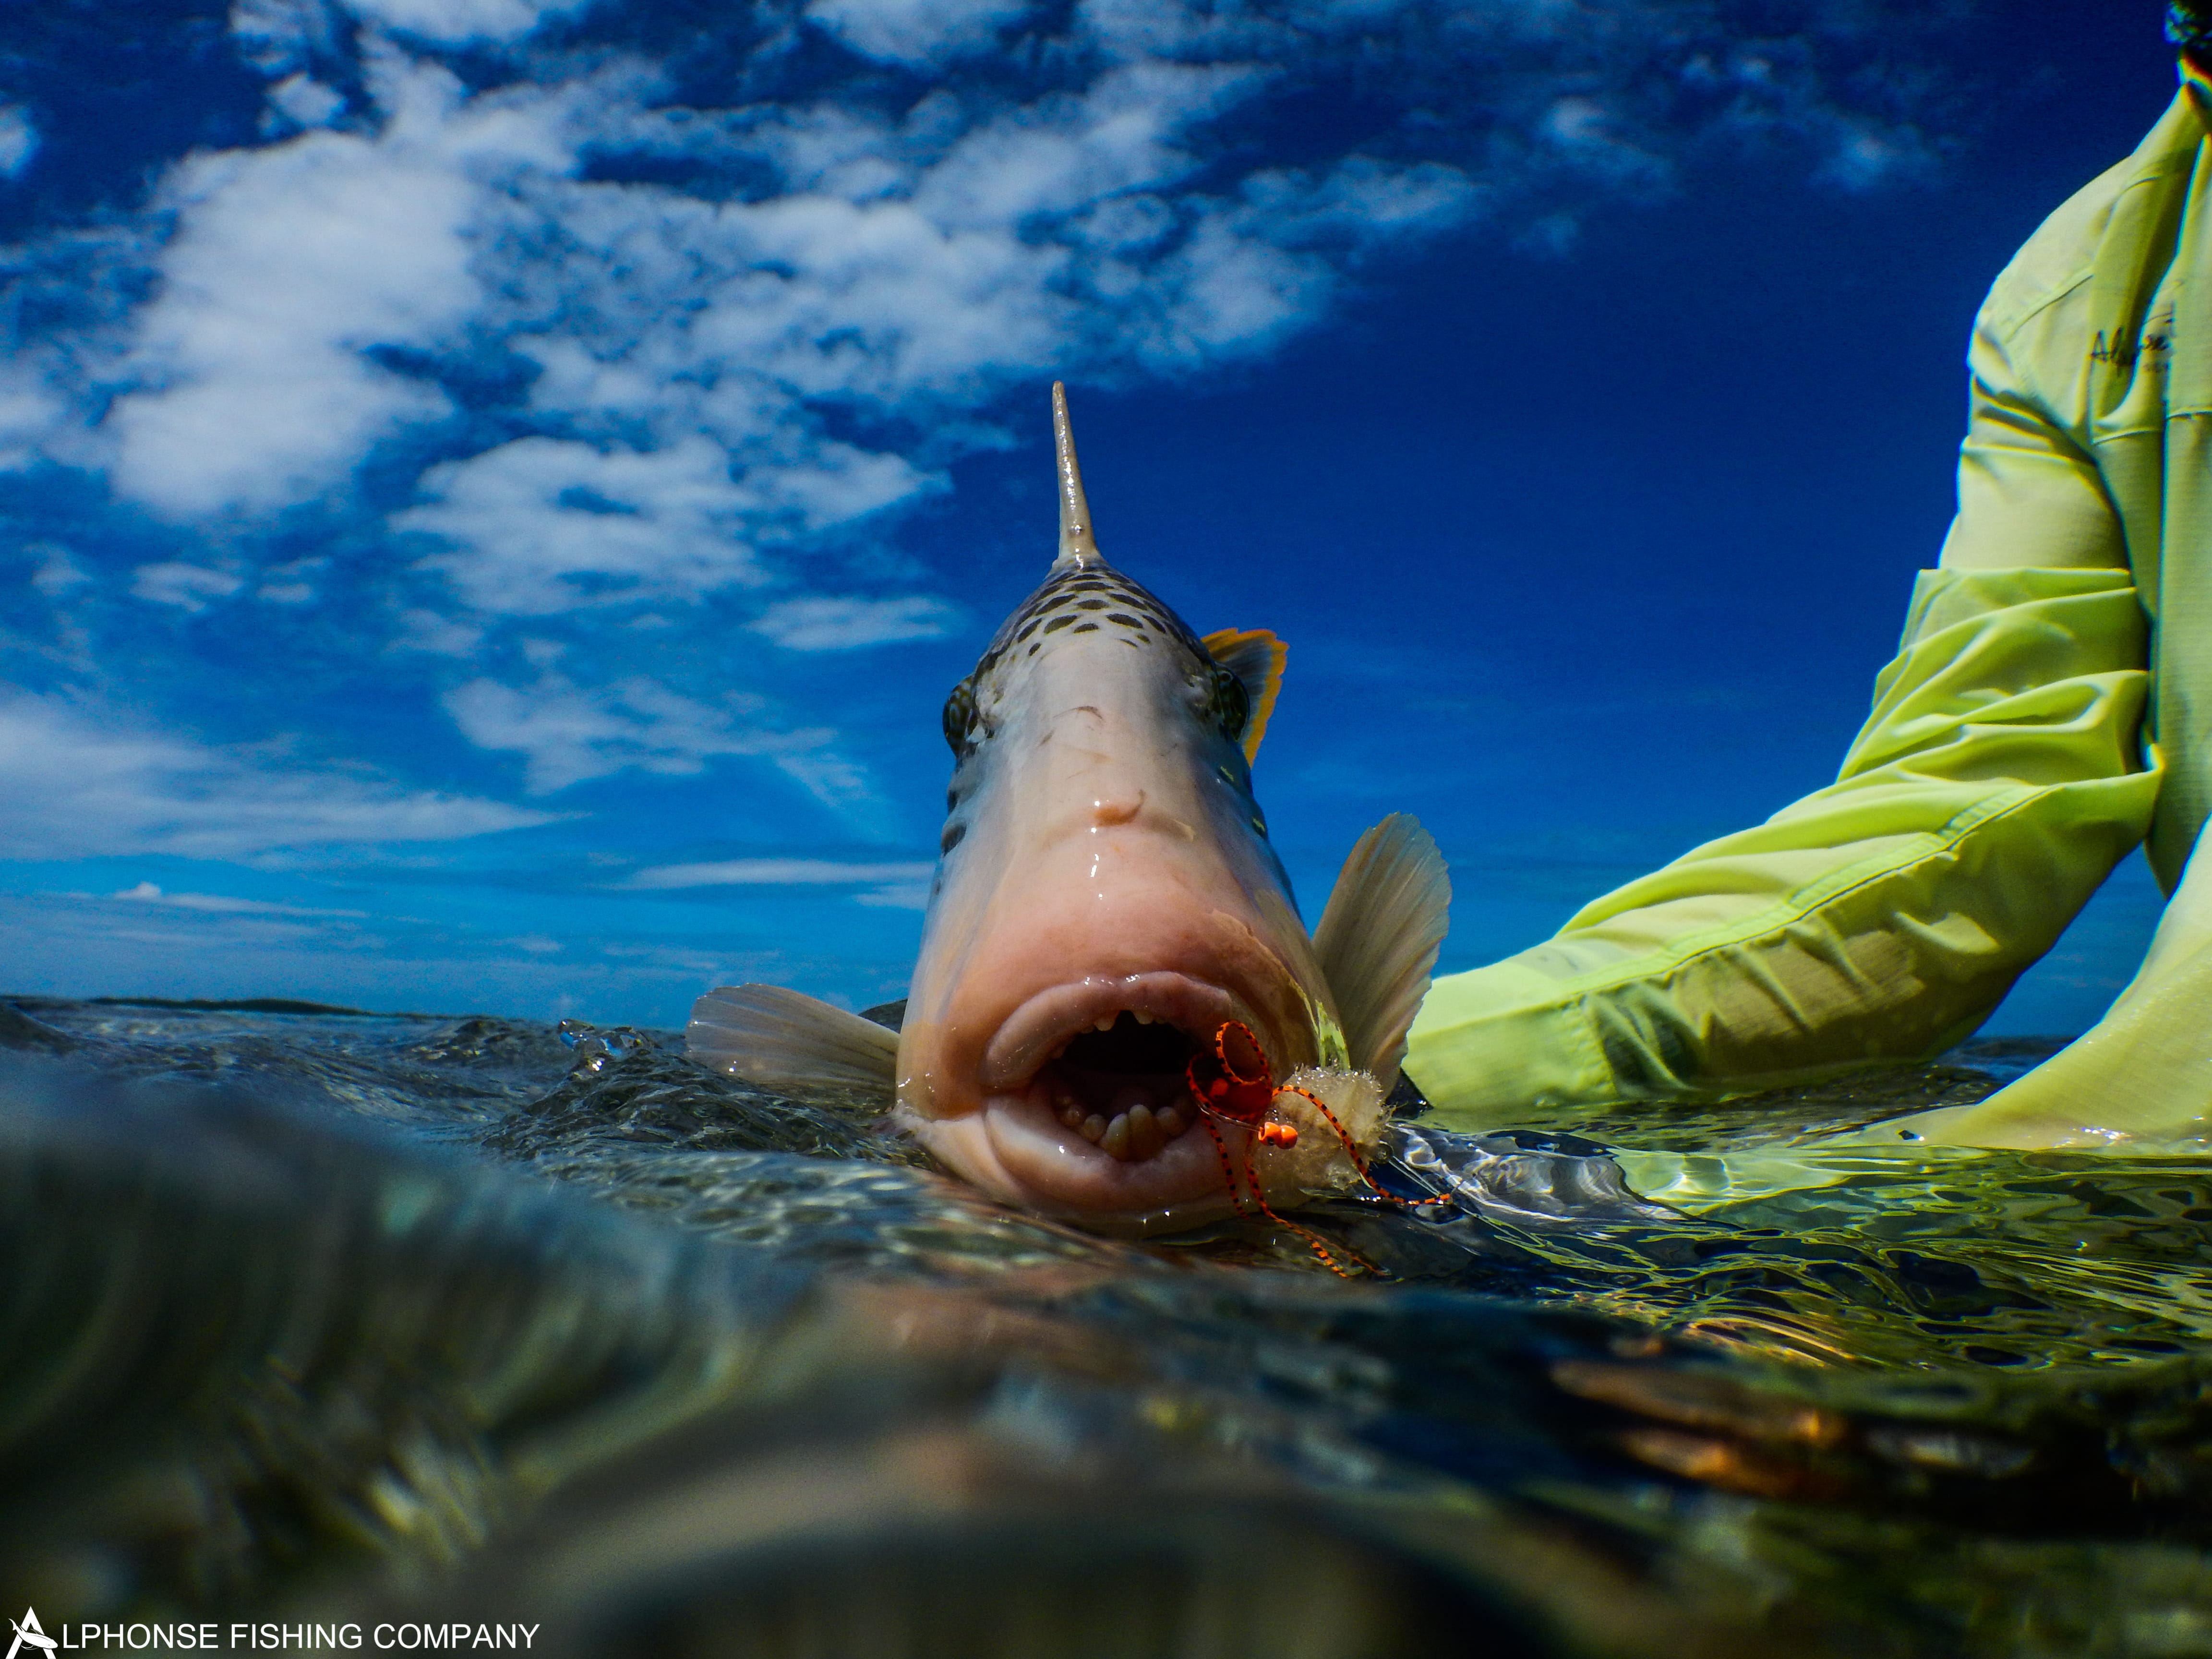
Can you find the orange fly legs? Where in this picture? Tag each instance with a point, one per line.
(1242, 1085)
(1351, 1151)
(1314, 1242)
(1239, 1087)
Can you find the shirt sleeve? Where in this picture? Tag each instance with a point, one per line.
(1995, 784)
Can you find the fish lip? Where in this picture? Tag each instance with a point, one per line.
(1059, 1174)
(1030, 1035)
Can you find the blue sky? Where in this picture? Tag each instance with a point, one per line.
(496, 490)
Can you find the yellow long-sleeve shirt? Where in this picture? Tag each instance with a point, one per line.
(2051, 704)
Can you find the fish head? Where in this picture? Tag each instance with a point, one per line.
(1106, 902)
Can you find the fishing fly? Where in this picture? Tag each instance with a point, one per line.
(1234, 1084)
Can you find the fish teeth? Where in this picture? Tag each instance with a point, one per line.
(1137, 1129)
(1105, 1023)
(1143, 1019)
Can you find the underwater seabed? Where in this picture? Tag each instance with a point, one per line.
(315, 1318)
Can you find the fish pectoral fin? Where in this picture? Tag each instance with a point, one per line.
(1255, 657)
(1379, 939)
(787, 1041)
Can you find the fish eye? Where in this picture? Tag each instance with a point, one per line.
(1232, 705)
(960, 714)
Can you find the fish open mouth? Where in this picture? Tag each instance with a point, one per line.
(1123, 1086)
(1108, 1059)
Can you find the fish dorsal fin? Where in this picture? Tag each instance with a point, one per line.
(1077, 544)
(1379, 939)
(787, 1041)
(1255, 657)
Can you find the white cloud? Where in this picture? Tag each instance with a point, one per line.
(776, 872)
(541, 526)
(1864, 159)
(915, 32)
(846, 625)
(1581, 129)
(81, 785)
(876, 299)
(314, 292)
(277, 35)
(36, 420)
(568, 734)
(58, 571)
(1094, 201)
(897, 895)
(1126, 132)
(187, 587)
(306, 102)
(289, 264)
(901, 262)
(452, 22)
(19, 139)
(838, 783)
(147, 892)
(442, 636)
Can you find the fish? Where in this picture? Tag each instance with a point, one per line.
(1113, 972)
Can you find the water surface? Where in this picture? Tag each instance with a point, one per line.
(339, 1314)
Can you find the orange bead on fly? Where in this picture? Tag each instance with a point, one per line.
(1234, 1084)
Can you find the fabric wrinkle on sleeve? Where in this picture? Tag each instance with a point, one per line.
(1993, 786)
(2030, 494)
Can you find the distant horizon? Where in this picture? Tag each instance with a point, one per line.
(292, 1007)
